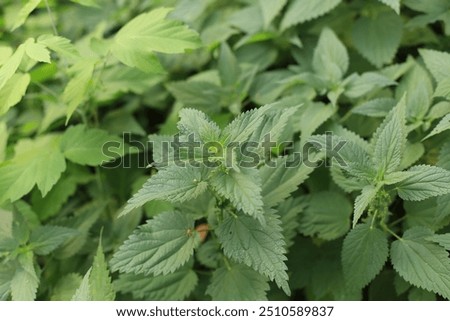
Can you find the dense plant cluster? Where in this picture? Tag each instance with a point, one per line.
(225, 150)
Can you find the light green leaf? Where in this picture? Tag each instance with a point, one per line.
(327, 216)
(270, 9)
(443, 89)
(303, 10)
(362, 201)
(171, 287)
(312, 116)
(173, 184)
(258, 246)
(24, 12)
(437, 62)
(443, 125)
(13, 91)
(330, 56)
(83, 293)
(151, 32)
(160, 246)
(426, 181)
(281, 180)
(360, 85)
(238, 282)
(99, 278)
(76, 91)
(390, 141)
(25, 282)
(377, 38)
(30, 167)
(364, 253)
(62, 46)
(394, 4)
(242, 188)
(422, 263)
(195, 122)
(90, 146)
(7, 271)
(38, 52)
(45, 239)
(10, 66)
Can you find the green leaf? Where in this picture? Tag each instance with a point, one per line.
(360, 85)
(442, 239)
(90, 146)
(437, 62)
(391, 141)
(195, 122)
(362, 201)
(258, 246)
(312, 116)
(13, 91)
(151, 32)
(171, 287)
(426, 181)
(175, 184)
(10, 66)
(379, 107)
(161, 246)
(378, 38)
(24, 12)
(38, 52)
(83, 293)
(242, 188)
(327, 216)
(88, 3)
(62, 46)
(238, 282)
(3, 139)
(45, 239)
(7, 271)
(270, 9)
(228, 66)
(417, 86)
(422, 263)
(66, 287)
(25, 282)
(364, 253)
(30, 167)
(99, 278)
(300, 11)
(394, 4)
(443, 125)
(76, 91)
(330, 56)
(282, 180)
(201, 94)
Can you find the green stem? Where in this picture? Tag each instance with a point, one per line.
(227, 263)
(388, 230)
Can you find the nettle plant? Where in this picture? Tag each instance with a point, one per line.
(226, 190)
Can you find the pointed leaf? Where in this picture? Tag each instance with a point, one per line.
(13, 91)
(364, 253)
(426, 181)
(258, 246)
(242, 188)
(422, 263)
(24, 12)
(443, 125)
(437, 62)
(378, 38)
(45, 239)
(394, 4)
(160, 246)
(173, 184)
(303, 10)
(362, 201)
(99, 278)
(25, 282)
